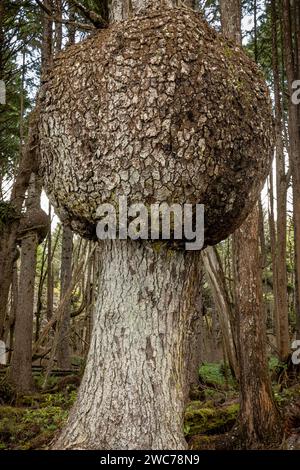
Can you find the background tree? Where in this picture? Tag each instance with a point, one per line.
(259, 417)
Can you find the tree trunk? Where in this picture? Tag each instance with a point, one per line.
(218, 286)
(63, 350)
(50, 285)
(47, 37)
(294, 145)
(135, 383)
(58, 26)
(20, 372)
(259, 420)
(274, 262)
(122, 9)
(145, 342)
(231, 19)
(8, 234)
(13, 310)
(262, 238)
(280, 274)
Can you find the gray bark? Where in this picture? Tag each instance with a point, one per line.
(134, 388)
(63, 348)
(123, 9)
(231, 19)
(294, 143)
(217, 283)
(280, 252)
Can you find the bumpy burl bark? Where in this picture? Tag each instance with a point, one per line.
(159, 108)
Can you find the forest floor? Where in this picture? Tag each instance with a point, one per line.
(31, 421)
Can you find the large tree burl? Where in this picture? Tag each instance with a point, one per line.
(159, 108)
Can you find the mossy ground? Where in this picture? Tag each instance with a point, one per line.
(32, 421)
(213, 410)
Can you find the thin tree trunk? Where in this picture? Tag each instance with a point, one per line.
(262, 237)
(8, 234)
(231, 19)
(20, 371)
(58, 26)
(49, 270)
(20, 374)
(39, 302)
(71, 27)
(47, 37)
(273, 256)
(63, 349)
(13, 310)
(280, 274)
(217, 283)
(294, 145)
(259, 420)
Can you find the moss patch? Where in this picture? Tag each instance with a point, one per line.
(34, 421)
(204, 418)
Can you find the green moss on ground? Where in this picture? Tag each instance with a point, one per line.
(22, 428)
(31, 421)
(34, 420)
(205, 418)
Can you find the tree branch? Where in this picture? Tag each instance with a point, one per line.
(90, 15)
(57, 19)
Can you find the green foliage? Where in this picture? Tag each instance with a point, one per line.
(7, 393)
(18, 426)
(48, 417)
(63, 400)
(215, 374)
(39, 381)
(33, 423)
(273, 363)
(21, 27)
(7, 213)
